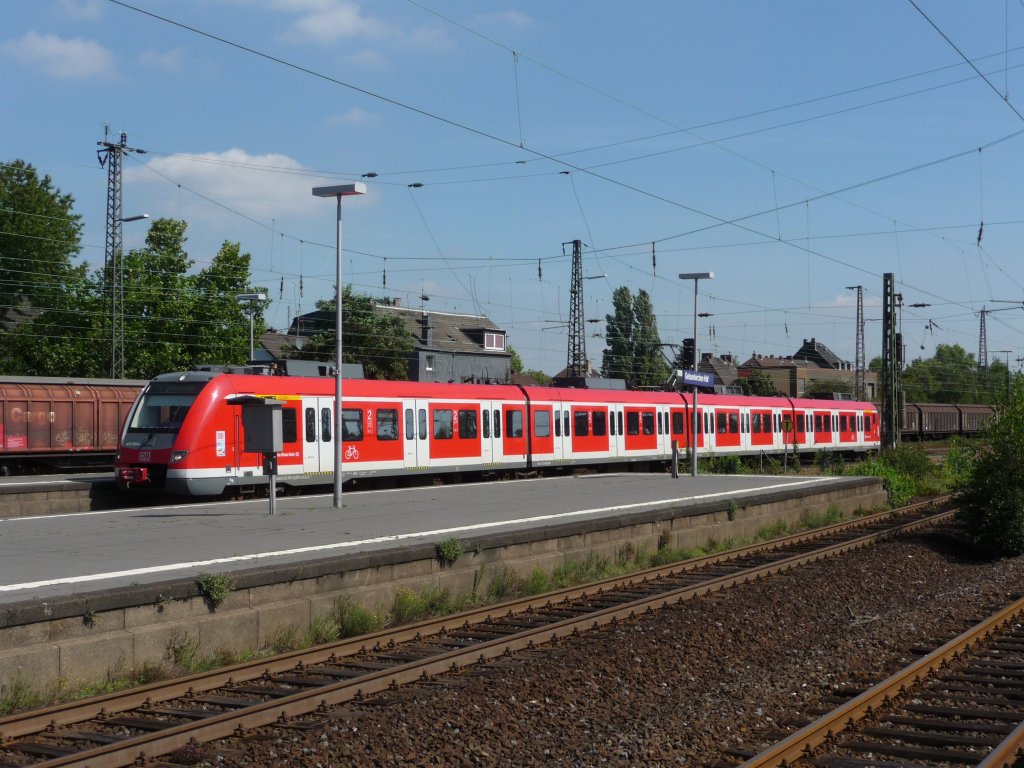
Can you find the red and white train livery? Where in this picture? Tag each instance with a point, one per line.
(184, 435)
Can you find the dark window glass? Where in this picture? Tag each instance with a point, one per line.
(410, 424)
(497, 423)
(565, 423)
(443, 424)
(514, 423)
(311, 425)
(582, 425)
(677, 423)
(542, 424)
(558, 424)
(423, 423)
(734, 423)
(600, 423)
(632, 423)
(842, 424)
(619, 418)
(647, 419)
(289, 425)
(800, 422)
(351, 424)
(817, 423)
(611, 423)
(757, 423)
(487, 422)
(387, 423)
(722, 423)
(467, 424)
(325, 425)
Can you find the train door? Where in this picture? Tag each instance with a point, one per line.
(318, 434)
(563, 438)
(415, 433)
(490, 446)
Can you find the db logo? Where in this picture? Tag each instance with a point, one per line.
(144, 455)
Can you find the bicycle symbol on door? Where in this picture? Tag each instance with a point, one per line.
(351, 453)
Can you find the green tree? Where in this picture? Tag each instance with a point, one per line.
(380, 341)
(827, 387)
(617, 359)
(951, 376)
(650, 369)
(220, 324)
(991, 500)
(516, 363)
(758, 384)
(44, 308)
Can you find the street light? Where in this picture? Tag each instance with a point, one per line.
(696, 277)
(251, 297)
(338, 191)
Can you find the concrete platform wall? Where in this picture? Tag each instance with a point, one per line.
(87, 638)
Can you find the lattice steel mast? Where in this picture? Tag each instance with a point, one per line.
(113, 258)
(859, 361)
(576, 364)
(982, 342)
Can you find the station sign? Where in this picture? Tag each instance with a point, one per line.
(698, 379)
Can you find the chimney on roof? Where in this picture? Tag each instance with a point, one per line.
(425, 332)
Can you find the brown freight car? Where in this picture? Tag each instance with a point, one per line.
(61, 423)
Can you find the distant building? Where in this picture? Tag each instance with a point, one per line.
(447, 347)
(813, 362)
(592, 379)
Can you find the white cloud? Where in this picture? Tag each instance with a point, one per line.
(82, 9)
(74, 59)
(260, 186)
(167, 61)
(354, 116)
(503, 20)
(325, 21)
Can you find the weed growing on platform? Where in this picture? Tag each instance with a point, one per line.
(215, 587)
(18, 695)
(504, 585)
(353, 620)
(323, 629)
(448, 551)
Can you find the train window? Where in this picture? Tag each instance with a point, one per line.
(325, 425)
(734, 423)
(410, 424)
(514, 423)
(708, 421)
(351, 424)
(600, 423)
(611, 423)
(542, 423)
(558, 423)
(443, 424)
(817, 423)
(721, 423)
(565, 423)
(757, 424)
(467, 424)
(423, 423)
(311, 425)
(835, 423)
(497, 423)
(387, 423)
(800, 422)
(486, 415)
(633, 423)
(619, 419)
(582, 424)
(289, 425)
(842, 424)
(677, 423)
(647, 419)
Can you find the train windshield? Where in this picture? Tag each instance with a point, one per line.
(163, 406)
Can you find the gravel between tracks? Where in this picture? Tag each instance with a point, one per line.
(676, 687)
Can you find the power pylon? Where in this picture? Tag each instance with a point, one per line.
(113, 258)
(982, 342)
(576, 364)
(859, 362)
(890, 364)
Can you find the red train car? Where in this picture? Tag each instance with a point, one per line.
(61, 423)
(185, 434)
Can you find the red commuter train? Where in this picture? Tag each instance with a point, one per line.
(183, 435)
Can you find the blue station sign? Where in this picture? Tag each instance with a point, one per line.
(698, 379)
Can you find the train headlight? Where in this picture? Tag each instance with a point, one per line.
(177, 456)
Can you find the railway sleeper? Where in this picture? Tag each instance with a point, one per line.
(980, 714)
(913, 753)
(930, 739)
(949, 725)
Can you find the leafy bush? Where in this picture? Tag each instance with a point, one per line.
(728, 464)
(353, 620)
(991, 497)
(899, 487)
(215, 587)
(448, 551)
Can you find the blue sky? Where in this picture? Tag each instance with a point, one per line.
(794, 148)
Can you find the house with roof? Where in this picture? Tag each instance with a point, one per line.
(446, 346)
(813, 363)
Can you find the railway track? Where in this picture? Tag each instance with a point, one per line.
(296, 688)
(962, 704)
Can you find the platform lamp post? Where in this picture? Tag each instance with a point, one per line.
(696, 277)
(338, 191)
(251, 298)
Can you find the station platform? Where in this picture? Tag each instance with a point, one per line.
(82, 593)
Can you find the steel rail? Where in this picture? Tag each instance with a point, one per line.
(67, 713)
(798, 745)
(267, 713)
